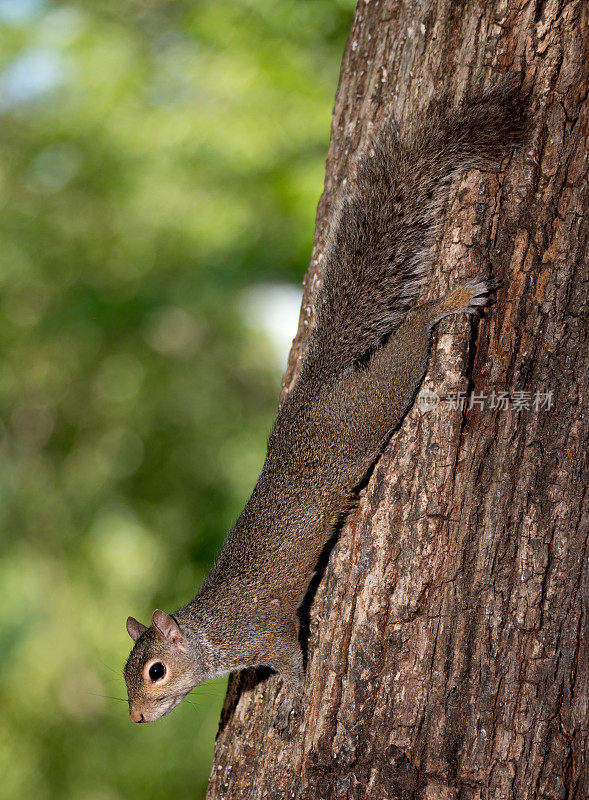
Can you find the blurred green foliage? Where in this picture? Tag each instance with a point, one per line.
(157, 160)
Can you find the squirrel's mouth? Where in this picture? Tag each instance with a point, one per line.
(138, 714)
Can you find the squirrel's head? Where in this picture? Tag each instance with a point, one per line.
(159, 672)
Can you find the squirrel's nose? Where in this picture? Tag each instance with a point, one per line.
(136, 716)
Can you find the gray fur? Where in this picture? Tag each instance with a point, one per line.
(365, 361)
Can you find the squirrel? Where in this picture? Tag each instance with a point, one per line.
(364, 363)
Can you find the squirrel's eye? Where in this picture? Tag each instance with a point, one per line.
(157, 671)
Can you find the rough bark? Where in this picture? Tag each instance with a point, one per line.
(448, 634)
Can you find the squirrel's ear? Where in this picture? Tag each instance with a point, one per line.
(167, 628)
(135, 628)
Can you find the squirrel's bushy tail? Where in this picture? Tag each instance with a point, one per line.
(381, 238)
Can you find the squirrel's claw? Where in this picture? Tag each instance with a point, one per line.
(289, 711)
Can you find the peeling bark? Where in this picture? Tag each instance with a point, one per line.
(447, 646)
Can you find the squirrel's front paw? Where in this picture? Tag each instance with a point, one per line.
(288, 661)
(289, 712)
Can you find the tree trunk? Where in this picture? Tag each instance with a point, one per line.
(448, 634)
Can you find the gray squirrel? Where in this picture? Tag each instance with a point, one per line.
(365, 360)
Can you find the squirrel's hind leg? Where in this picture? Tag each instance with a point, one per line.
(467, 297)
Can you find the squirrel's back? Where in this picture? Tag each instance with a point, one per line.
(379, 246)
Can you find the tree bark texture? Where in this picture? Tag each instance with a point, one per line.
(447, 648)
